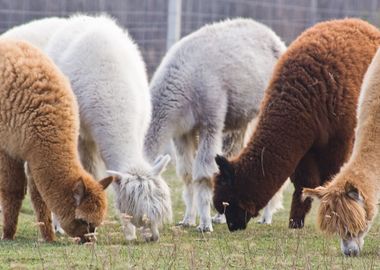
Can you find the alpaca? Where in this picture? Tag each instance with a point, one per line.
(209, 85)
(37, 32)
(114, 104)
(348, 204)
(39, 125)
(306, 122)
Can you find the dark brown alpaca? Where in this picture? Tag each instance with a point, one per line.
(306, 123)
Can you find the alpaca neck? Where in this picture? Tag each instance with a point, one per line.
(271, 157)
(55, 177)
(367, 147)
(156, 138)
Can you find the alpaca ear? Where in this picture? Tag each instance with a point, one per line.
(316, 193)
(79, 191)
(225, 168)
(160, 165)
(353, 192)
(157, 159)
(117, 176)
(105, 182)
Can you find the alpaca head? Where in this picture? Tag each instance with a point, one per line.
(91, 205)
(142, 194)
(225, 198)
(342, 211)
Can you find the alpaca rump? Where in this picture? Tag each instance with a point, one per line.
(306, 122)
(208, 86)
(348, 203)
(114, 109)
(39, 125)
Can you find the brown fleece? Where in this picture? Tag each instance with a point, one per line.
(307, 118)
(39, 124)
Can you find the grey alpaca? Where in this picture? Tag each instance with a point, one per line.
(209, 86)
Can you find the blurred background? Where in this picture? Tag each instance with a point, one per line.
(157, 24)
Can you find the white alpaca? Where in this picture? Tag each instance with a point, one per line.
(36, 32)
(210, 85)
(109, 79)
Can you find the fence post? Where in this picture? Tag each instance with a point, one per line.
(174, 22)
(313, 7)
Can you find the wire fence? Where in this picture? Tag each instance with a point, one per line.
(147, 20)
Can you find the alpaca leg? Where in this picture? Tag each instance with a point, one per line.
(273, 205)
(185, 151)
(305, 175)
(42, 212)
(151, 233)
(210, 144)
(12, 192)
(203, 191)
(128, 228)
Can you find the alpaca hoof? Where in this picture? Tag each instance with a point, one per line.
(219, 219)
(203, 228)
(185, 224)
(296, 223)
(59, 230)
(130, 238)
(7, 238)
(264, 220)
(152, 238)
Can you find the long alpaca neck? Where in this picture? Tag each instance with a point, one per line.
(278, 144)
(367, 143)
(157, 137)
(55, 175)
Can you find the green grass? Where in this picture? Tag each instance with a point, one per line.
(258, 247)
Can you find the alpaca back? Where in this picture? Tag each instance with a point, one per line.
(222, 65)
(38, 109)
(36, 32)
(233, 57)
(108, 77)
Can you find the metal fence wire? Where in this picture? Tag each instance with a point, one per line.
(156, 24)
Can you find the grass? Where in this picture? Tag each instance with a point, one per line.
(258, 247)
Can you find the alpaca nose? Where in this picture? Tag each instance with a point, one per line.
(350, 248)
(351, 252)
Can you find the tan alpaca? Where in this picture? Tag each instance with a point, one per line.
(349, 202)
(39, 124)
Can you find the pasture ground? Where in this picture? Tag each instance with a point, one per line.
(259, 247)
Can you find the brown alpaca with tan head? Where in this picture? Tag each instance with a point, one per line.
(39, 124)
(306, 122)
(348, 204)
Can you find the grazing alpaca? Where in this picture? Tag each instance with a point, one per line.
(348, 204)
(306, 122)
(211, 82)
(109, 79)
(39, 124)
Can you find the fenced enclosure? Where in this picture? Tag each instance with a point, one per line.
(147, 20)
(156, 25)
